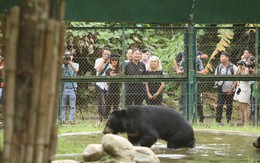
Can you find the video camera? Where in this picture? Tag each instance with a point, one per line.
(250, 65)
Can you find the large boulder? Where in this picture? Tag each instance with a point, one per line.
(93, 152)
(145, 155)
(118, 147)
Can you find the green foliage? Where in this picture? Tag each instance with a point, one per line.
(164, 43)
(167, 48)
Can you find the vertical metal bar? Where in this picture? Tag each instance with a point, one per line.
(190, 73)
(123, 67)
(185, 98)
(256, 67)
(194, 110)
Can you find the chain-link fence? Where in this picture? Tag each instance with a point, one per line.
(121, 83)
(168, 45)
(89, 95)
(234, 101)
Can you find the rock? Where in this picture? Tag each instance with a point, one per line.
(64, 161)
(93, 152)
(118, 147)
(145, 155)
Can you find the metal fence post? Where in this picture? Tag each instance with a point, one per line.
(190, 59)
(256, 67)
(123, 67)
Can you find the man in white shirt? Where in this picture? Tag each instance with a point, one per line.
(101, 64)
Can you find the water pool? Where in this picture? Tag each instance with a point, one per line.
(211, 146)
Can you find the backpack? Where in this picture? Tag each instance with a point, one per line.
(230, 66)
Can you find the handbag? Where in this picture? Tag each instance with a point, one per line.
(238, 91)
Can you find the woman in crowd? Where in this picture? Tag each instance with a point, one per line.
(154, 89)
(243, 91)
(113, 92)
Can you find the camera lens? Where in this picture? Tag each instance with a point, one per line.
(67, 57)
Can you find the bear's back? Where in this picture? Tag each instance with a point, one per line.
(158, 116)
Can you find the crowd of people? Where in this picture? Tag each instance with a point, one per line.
(138, 62)
(141, 62)
(246, 93)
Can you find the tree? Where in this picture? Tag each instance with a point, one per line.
(33, 45)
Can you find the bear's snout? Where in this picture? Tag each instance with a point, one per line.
(107, 130)
(256, 143)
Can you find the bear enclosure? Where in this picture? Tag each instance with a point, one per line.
(190, 27)
(163, 28)
(165, 43)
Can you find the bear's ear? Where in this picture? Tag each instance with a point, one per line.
(123, 113)
(119, 113)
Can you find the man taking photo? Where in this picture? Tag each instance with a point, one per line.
(69, 69)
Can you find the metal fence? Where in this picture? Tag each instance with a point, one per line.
(166, 43)
(190, 93)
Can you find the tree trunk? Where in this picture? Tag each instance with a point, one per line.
(33, 48)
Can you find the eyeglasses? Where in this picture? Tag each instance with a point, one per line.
(114, 59)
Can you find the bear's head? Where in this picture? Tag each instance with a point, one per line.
(257, 143)
(114, 123)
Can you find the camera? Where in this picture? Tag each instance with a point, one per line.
(144, 51)
(181, 65)
(249, 64)
(67, 57)
(241, 63)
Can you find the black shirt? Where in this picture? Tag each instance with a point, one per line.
(135, 69)
(154, 86)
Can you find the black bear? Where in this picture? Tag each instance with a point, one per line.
(257, 143)
(145, 124)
